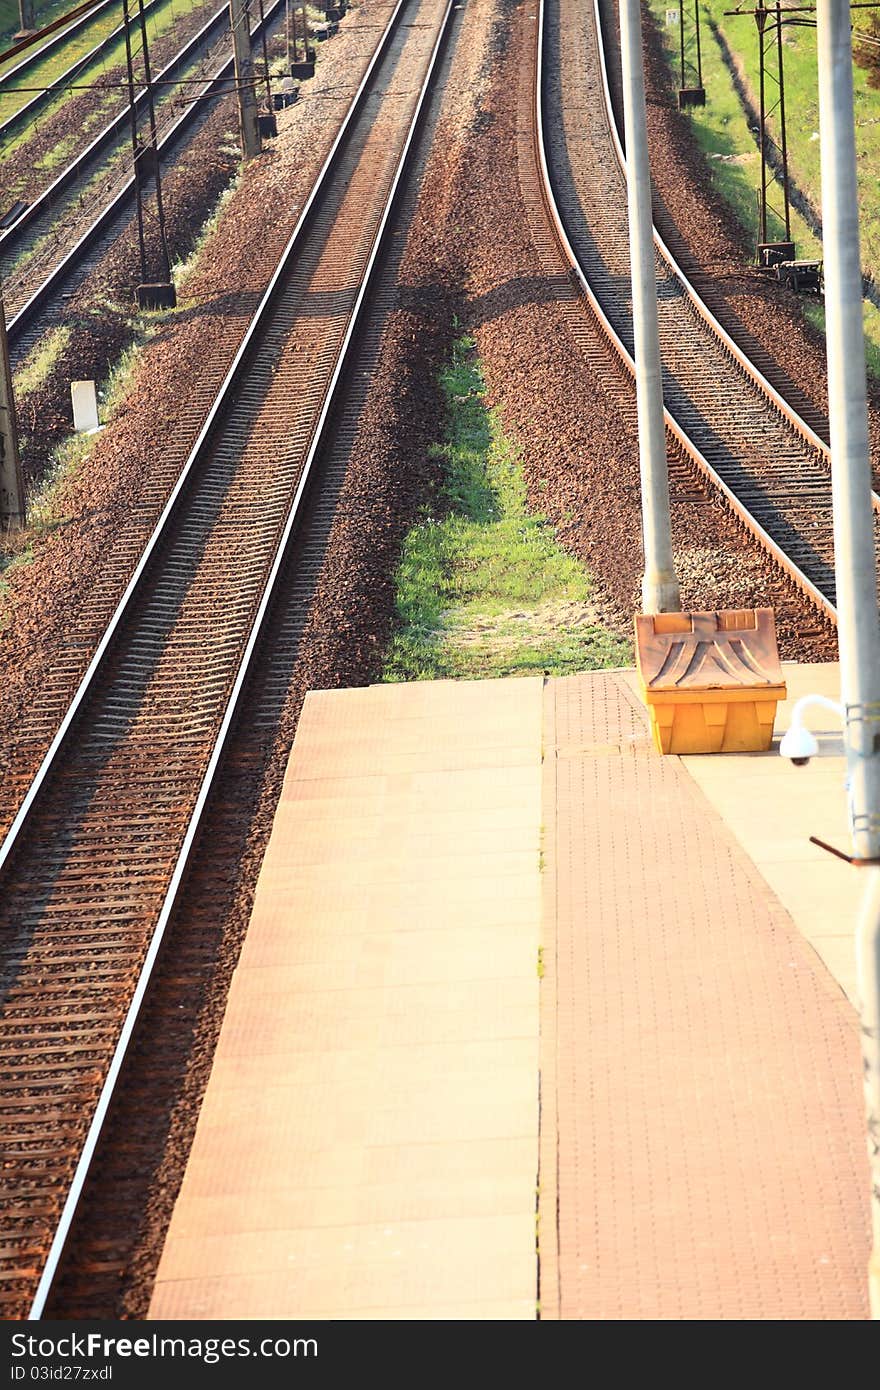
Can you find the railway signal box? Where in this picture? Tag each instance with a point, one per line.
(160, 296)
(772, 253)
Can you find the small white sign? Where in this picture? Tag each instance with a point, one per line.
(85, 407)
(671, 17)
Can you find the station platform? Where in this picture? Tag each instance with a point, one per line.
(511, 970)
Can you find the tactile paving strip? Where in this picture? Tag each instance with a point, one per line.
(702, 1148)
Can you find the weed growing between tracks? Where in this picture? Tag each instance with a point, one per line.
(183, 269)
(483, 588)
(40, 361)
(45, 505)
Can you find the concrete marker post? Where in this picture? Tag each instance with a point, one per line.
(856, 574)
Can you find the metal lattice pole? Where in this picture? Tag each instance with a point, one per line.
(783, 139)
(154, 141)
(135, 146)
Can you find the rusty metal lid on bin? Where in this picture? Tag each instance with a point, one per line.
(708, 651)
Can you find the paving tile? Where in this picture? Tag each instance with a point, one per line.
(483, 1311)
(369, 1144)
(469, 789)
(439, 1194)
(388, 1068)
(283, 914)
(405, 868)
(703, 1060)
(323, 1292)
(416, 1249)
(391, 958)
(368, 1140)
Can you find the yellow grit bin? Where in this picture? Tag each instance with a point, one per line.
(711, 681)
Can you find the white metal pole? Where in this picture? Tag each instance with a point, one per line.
(855, 565)
(660, 592)
(868, 976)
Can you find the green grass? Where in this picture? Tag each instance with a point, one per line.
(43, 515)
(182, 270)
(483, 588)
(721, 130)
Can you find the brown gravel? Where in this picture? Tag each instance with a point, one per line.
(577, 435)
(468, 252)
(61, 602)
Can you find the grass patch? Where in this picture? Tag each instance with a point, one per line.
(19, 548)
(44, 13)
(44, 511)
(483, 587)
(43, 514)
(182, 270)
(40, 361)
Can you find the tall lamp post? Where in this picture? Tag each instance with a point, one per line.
(660, 593)
(858, 629)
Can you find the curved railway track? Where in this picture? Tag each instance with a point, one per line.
(60, 230)
(769, 465)
(98, 852)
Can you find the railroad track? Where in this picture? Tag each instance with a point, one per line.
(21, 75)
(769, 465)
(60, 230)
(57, 41)
(93, 864)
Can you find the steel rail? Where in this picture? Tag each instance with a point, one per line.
(30, 108)
(222, 402)
(22, 320)
(119, 123)
(727, 342)
(691, 450)
(732, 348)
(94, 12)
